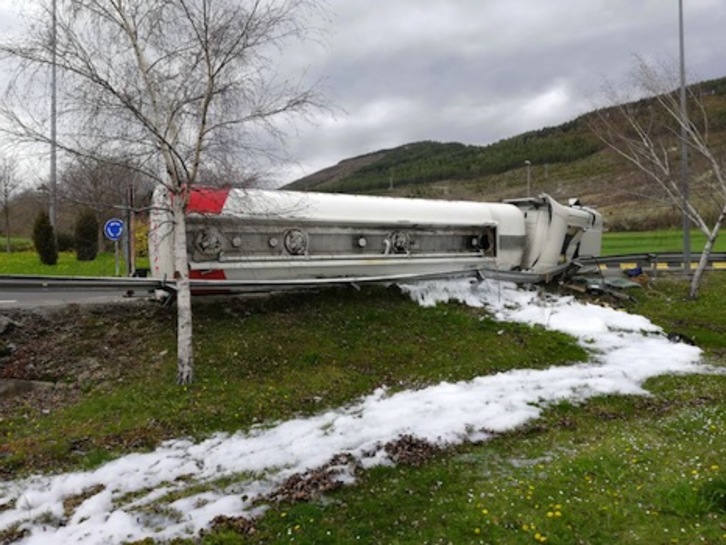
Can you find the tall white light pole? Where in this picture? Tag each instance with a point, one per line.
(684, 149)
(529, 176)
(52, 212)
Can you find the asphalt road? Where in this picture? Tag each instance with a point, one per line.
(25, 298)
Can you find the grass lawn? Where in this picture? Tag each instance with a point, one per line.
(619, 470)
(256, 361)
(615, 470)
(28, 262)
(655, 242)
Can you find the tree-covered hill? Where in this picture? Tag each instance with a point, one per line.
(565, 161)
(427, 162)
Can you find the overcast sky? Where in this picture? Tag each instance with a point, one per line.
(476, 71)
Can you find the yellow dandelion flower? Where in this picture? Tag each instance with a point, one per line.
(550, 514)
(477, 531)
(485, 511)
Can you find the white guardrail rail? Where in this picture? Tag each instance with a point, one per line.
(652, 263)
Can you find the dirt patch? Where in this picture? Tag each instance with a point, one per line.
(312, 484)
(411, 451)
(50, 356)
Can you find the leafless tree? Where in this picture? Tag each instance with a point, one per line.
(647, 134)
(95, 184)
(9, 184)
(106, 186)
(170, 84)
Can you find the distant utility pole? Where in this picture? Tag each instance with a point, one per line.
(684, 150)
(52, 212)
(529, 176)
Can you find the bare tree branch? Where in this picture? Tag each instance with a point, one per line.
(647, 134)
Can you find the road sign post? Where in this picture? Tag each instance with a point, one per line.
(114, 230)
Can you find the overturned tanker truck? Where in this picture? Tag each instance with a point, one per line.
(259, 237)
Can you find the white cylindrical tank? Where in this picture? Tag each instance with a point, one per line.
(239, 232)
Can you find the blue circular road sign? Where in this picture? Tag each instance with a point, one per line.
(113, 229)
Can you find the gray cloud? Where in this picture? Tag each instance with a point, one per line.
(477, 72)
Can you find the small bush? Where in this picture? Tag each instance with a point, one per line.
(86, 240)
(141, 239)
(44, 240)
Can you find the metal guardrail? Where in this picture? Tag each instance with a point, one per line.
(650, 261)
(664, 261)
(20, 282)
(75, 282)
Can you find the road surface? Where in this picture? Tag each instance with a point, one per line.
(25, 298)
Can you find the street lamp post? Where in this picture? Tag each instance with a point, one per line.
(529, 176)
(53, 115)
(684, 149)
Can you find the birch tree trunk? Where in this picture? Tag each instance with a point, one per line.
(707, 248)
(185, 353)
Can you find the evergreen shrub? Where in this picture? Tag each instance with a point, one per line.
(86, 236)
(44, 240)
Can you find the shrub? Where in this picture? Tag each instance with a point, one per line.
(141, 238)
(44, 240)
(86, 236)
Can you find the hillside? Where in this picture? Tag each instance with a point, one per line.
(565, 161)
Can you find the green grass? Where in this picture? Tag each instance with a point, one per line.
(615, 470)
(259, 361)
(620, 470)
(17, 244)
(654, 242)
(703, 320)
(28, 262)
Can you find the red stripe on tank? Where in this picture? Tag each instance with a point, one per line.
(204, 200)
